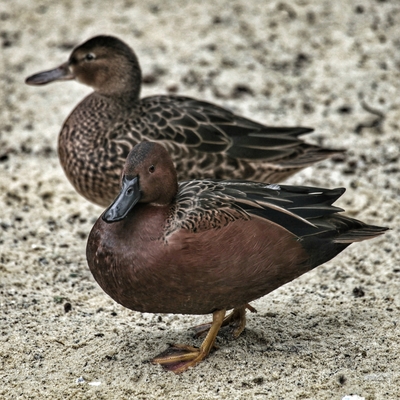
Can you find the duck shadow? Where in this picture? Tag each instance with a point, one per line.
(290, 333)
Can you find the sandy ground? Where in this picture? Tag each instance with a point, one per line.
(333, 332)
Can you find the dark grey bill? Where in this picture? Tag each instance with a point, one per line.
(124, 202)
(60, 73)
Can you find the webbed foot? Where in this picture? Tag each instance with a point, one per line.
(178, 358)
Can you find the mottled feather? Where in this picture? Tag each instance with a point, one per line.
(302, 210)
(203, 139)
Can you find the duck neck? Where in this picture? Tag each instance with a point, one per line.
(125, 100)
(123, 87)
(126, 96)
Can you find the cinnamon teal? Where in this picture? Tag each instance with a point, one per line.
(207, 246)
(204, 140)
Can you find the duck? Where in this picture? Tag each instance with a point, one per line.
(204, 140)
(209, 246)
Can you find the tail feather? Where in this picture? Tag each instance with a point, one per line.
(310, 156)
(286, 150)
(360, 234)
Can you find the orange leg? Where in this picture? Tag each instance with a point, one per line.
(237, 318)
(179, 358)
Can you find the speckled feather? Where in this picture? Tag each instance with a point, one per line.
(204, 140)
(302, 210)
(210, 245)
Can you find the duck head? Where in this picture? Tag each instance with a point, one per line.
(105, 63)
(149, 176)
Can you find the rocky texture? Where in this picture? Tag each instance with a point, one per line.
(331, 65)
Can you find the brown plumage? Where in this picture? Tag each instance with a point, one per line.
(206, 246)
(204, 140)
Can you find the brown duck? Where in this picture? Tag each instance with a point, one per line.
(204, 140)
(207, 246)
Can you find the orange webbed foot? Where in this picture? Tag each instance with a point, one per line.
(178, 358)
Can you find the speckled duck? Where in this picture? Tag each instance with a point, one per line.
(204, 140)
(207, 246)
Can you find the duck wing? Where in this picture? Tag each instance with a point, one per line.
(209, 128)
(302, 210)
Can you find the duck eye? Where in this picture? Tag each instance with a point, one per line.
(89, 57)
(152, 169)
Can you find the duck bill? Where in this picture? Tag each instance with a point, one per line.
(61, 73)
(125, 201)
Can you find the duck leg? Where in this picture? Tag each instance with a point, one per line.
(237, 318)
(179, 358)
